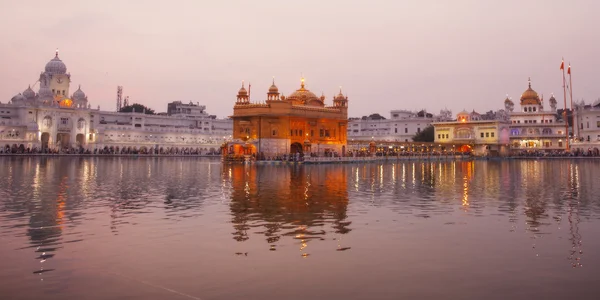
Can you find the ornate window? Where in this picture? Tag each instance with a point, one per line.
(80, 124)
(47, 122)
(463, 133)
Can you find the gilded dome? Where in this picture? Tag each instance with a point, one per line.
(304, 96)
(273, 89)
(56, 66)
(242, 91)
(530, 97)
(29, 93)
(340, 96)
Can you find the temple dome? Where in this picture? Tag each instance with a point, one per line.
(56, 66)
(18, 98)
(340, 96)
(29, 93)
(530, 97)
(242, 91)
(304, 96)
(45, 92)
(273, 89)
(79, 94)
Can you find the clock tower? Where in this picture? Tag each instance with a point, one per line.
(56, 78)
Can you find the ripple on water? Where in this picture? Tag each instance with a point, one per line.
(143, 213)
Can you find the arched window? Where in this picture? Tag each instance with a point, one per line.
(47, 122)
(80, 123)
(463, 133)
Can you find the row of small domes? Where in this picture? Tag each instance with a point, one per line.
(300, 93)
(45, 92)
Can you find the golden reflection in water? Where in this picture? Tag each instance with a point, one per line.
(60, 202)
(356, 180)
(276, 201)
(380, 176)
(468, 171)
(404, 176)
(414, 176)
(576, 251)
(394, 174)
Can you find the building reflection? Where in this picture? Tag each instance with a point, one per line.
(300, 202)
(47, 210)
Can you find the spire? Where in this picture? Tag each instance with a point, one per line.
(302, 82)
(529, 80)
(273, 80)
(56, 55)
(242, 84)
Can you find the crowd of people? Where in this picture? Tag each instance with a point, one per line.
(106, 151)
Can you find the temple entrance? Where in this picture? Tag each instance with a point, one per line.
(45, 140)
(465, 149)
(295, 148)
(63, 140)
(80, 139)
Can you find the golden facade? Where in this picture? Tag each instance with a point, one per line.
(299, 123)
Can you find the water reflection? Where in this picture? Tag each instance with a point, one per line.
(300, 202)
(62, 213)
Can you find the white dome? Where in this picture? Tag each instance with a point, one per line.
(45, 92)
(29, 93)
(32, 126)
(56, 66)
(79, 94)
(18, 98)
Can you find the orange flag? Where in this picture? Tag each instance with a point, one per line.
(562, 65)
(569, 70)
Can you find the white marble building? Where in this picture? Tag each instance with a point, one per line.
(53, 118)
(400, 127)
(533, 128)
(586, 120)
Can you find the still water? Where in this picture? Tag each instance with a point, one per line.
(192, 228)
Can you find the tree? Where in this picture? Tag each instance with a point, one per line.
(137, 108)
(426, 135)
(374, 116)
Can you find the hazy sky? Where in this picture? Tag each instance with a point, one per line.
(386, 55)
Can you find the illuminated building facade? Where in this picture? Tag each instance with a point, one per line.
(533, 128)
(471, 132)
(402, 126)
(299, 123)
(53, 118)
(586, 123)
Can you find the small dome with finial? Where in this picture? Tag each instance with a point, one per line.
(340, 95)
(242, 91)
(29, 93)
(45, 92)
(79, 94)
(273, 89)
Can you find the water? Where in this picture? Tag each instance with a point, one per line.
(191, 228)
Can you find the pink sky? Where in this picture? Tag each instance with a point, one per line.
(385, 54)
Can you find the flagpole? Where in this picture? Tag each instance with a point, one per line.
(566, 119)
(571, 96)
